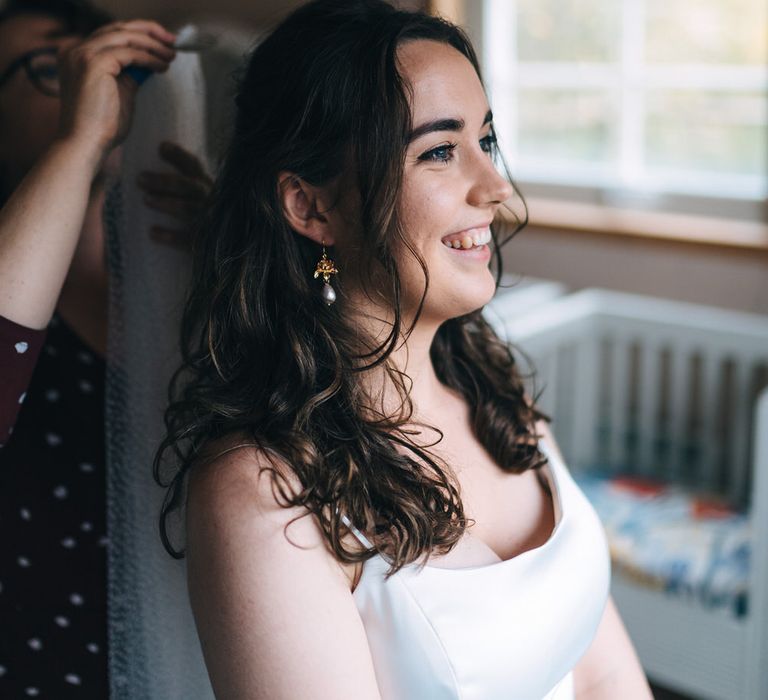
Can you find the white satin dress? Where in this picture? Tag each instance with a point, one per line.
(510, 629)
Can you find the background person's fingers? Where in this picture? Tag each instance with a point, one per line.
(153, 28)
(180, 208)
(105, 29)
(183, 160)
(97, 92)
(142, 25)
(133, 39)
(114, 60)
(172, 184)
(175, 239)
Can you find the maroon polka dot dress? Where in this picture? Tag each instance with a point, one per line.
(53, 603)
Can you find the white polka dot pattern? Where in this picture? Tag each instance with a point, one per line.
(53, 629)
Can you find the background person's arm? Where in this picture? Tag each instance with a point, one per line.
(40, 223)
(275, 614)
(39, 228)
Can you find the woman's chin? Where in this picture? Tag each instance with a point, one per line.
(463, 297)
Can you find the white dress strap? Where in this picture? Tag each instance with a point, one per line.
(359, 535)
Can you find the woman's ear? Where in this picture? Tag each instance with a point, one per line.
(302, 209)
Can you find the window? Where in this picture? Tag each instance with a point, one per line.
(633, 100)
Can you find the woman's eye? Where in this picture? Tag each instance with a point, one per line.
(441, 154)
(488, 143)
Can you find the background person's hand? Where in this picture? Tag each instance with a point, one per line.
(181, 194)
(97, 97)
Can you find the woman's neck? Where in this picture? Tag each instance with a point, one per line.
(412, 361)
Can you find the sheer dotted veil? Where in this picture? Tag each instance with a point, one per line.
(154, 650)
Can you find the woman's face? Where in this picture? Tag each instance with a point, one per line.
(29, 119)
(451, 188)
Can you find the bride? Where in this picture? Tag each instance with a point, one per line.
(374, 506)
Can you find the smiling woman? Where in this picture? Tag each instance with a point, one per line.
(322, 453)
(451, 189)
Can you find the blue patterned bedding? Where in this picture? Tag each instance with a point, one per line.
(667, 539)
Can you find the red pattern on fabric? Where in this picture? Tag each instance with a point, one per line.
(19, 349)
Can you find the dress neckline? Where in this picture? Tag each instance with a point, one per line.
(555, 495)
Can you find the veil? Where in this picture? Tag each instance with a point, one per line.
(154, 649)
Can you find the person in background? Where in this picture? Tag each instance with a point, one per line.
(65, 105)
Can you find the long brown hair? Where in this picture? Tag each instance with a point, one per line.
(265, 358)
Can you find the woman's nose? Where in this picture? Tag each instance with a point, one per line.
(489, 186)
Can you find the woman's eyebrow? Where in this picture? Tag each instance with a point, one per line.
(443, 125)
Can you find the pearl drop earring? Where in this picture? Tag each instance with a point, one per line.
(325, 268)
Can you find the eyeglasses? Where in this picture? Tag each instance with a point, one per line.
(42, 70)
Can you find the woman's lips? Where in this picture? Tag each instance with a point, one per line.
(481, 252)
(468, 239)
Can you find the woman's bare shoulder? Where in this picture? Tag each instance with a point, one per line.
(272, 606)
(237, 455)
(236, 486)
(233, 477)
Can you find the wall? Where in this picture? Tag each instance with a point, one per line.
(703, 274)
(256, 13)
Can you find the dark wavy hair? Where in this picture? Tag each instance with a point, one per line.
(266, 362)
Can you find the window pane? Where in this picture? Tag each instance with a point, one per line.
(665, 94)
(707, 31)
(566, 125)
(568, 30)
(711, 131)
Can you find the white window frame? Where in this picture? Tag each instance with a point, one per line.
(730, 198)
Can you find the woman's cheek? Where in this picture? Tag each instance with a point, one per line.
(428, 209)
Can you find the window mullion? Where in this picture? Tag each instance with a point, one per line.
(632, 93)
(502, 64)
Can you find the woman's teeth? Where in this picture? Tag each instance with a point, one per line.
(469, 240)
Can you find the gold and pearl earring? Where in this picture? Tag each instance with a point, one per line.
(325, 268)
